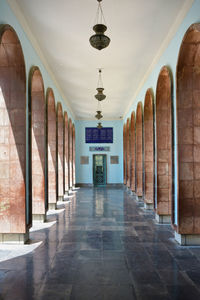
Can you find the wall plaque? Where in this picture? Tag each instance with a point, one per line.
(96, 136)
(114, 160)
(99, 148)
(84, 160)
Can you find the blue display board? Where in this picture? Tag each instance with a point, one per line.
(96, 136)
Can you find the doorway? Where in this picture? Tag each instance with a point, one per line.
(99, 169)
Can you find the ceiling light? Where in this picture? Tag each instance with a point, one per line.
(100, 96)
(98, 115)
(99, 40)
(99, 125)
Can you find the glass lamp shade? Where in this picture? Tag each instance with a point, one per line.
(98, 115)
(99, 40)
(99, 125)
(100, 96)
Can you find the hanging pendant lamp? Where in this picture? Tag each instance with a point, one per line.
(99, 40)
(100, 96)
(99, 125)
(98, 115)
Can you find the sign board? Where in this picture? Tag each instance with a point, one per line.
(99, 148)
(96, 136)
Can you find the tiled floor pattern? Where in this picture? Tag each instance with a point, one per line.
(104, 246)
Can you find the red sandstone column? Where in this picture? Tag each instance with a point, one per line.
(128, 152)
(74, 156)
(132, 152)
(148, 151)
(188, 131)
(38, 145)
(66, 134)
(124, 151)
(51, 144)
(139, 151)
(13, 205)
(60, 157)
(70, 155)
(164, 147)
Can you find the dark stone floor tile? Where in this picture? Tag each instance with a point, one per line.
(119, 292)
(180, 292)
(195, 277)
(86, 292)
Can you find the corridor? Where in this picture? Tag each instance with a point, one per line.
(104, 245)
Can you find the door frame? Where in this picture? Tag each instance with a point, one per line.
(93, 156)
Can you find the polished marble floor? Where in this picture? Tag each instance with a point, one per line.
(103, 246)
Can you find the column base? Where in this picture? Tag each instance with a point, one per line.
(187, 239)
(60, 198)
(139, 198)
(14, 238)
(39, 218)
(52, 206)
(148, 206)
(70, 192)
(163, 219)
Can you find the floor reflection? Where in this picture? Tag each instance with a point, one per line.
(104, 245)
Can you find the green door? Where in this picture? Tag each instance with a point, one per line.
(99, 170)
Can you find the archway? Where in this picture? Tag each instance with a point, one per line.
(60, 157)
(128, 153)
(51, 144)
(66, 169)
(132, 152)
(139, 151)
(148, 151)
(15, 211)
(38, 144)
(164, 147)
(188, 133)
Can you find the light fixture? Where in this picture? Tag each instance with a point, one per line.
(98, 115)
(99, 125)
(100, 96)
(99, 40)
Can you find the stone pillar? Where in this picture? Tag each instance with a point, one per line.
(38, 144)
(124, 152)
(74, 157)
(128, 153)
(164, 147)
(51, 144)
(60, 157)
(70, 155)
(139, 152)
(132, 152)
(14, 219)
(148, 151)
(188, 132)
(66, 153)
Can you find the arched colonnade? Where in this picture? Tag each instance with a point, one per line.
(37, 144)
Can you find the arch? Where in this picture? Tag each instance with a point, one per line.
(164, 145)
(60, 157)
(124, 151)
(74, 156)
(13, 205)
(148, 150)
(51, 144)
(66, 169)
(132, 152)
(139, 151)
(188, 132)
(37, 143)
(70, 154)
(128, 153)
